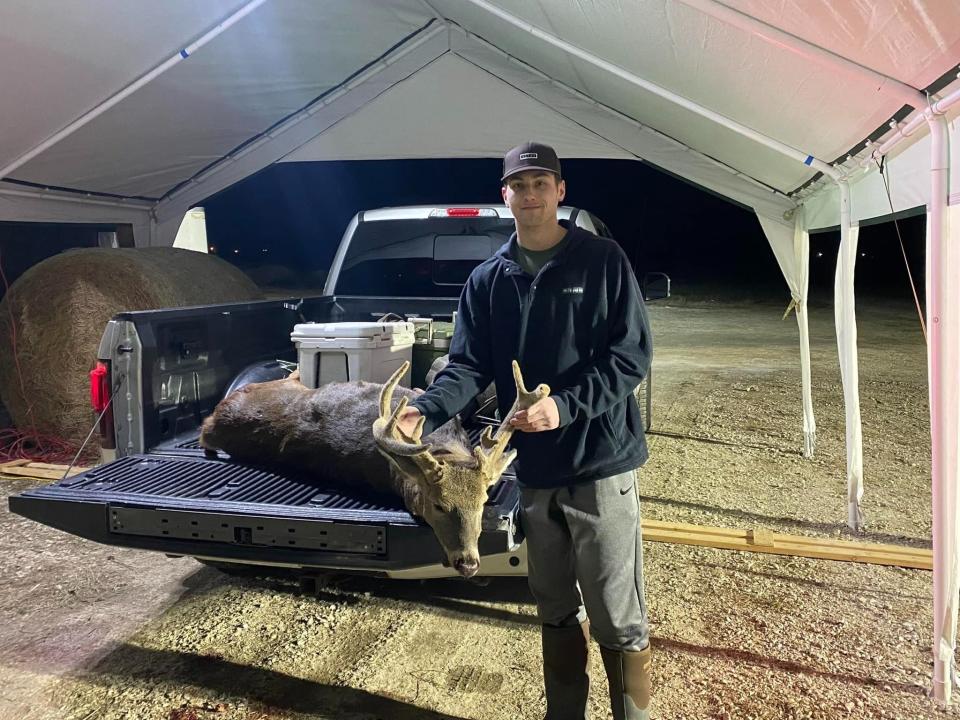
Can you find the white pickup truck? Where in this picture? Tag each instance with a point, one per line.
(161, 372)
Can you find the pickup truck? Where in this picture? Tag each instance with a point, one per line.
(160, 372)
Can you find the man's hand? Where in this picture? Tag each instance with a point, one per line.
(407, 422)
(542, 415)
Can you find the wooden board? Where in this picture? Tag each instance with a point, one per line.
(768, 542)
(39, 470)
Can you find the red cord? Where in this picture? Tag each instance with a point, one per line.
(16, 445)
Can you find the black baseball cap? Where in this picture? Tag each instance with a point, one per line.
(530, 156)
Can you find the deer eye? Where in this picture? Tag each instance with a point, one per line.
(438, 507)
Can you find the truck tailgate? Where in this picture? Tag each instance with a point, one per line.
(186, 504)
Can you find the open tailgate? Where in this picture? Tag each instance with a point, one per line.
(185, 504)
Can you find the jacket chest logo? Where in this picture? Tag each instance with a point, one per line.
(572, 291)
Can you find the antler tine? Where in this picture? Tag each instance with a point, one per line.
(492, 445)
(392, 439)
(524, 400)
(392, 428)
(386, 392)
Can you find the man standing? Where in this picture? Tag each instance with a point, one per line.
(566, 305)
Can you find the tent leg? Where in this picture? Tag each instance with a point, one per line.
(943, 364)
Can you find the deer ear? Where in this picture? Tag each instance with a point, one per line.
(504, 464)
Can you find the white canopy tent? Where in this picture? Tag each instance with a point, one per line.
(120, 112)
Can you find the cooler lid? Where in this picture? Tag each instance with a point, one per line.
(350, 330)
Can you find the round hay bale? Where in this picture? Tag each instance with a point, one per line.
(59, 309)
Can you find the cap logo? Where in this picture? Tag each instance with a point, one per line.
(528, 156)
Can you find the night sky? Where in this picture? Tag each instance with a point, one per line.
(298, 212)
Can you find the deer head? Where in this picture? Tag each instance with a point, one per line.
(449, 490)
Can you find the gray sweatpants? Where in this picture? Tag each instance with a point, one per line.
(586, 559)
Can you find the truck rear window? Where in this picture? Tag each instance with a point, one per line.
(418, 257)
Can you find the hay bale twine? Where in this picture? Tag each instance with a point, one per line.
(59, 309)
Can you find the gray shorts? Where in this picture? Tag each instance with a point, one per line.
(586, 558)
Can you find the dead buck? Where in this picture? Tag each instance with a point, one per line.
(327, 431)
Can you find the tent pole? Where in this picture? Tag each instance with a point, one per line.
(943, 372)
(943, 366)
(907, 129)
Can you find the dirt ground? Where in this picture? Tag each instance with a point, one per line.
(91, 632)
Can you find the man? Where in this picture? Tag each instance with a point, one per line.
(567, 306)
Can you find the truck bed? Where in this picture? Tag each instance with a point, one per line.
(163, 493)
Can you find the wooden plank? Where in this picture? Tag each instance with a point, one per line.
(782, 548)
(57, 466)
(767, 542)
(40, 473)
(795, 539)
(13, 463)
(798, 542)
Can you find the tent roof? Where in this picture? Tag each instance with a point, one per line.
(416, 103)
(447, 78)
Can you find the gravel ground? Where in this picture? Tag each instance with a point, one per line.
(92, 632)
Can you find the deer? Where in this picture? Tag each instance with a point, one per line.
(348, 434)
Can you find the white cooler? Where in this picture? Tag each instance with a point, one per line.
(342, 351)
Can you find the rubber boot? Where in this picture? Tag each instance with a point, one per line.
(629, 676)
(566, 678)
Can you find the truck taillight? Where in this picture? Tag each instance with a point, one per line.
(100, 387)
(100, 399)
(457, 212)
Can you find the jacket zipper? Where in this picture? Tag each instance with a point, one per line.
(525, 312)
(524, 315)
(525, 309)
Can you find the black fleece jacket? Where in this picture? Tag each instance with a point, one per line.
(581, 327)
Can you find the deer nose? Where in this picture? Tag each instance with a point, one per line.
(467, 566)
